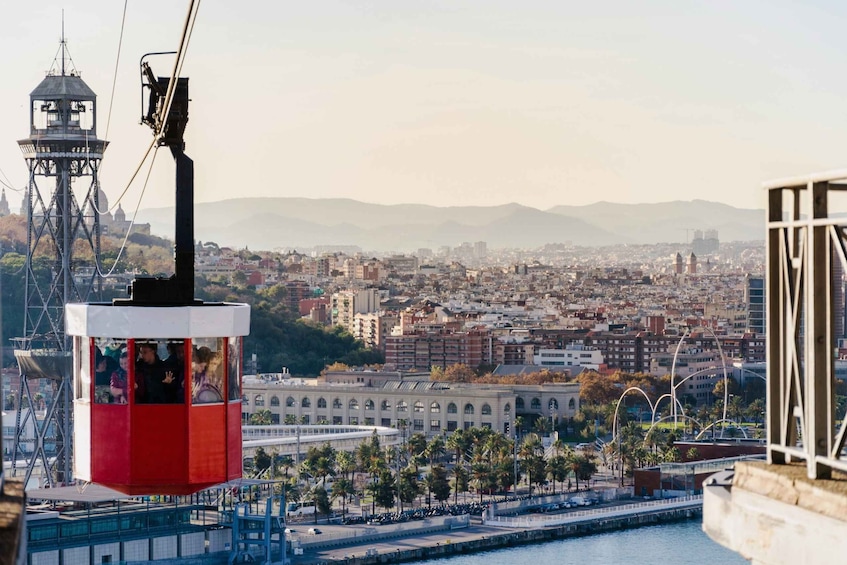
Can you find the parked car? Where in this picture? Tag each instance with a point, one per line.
(314, 531)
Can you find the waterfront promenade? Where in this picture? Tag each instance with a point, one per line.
(479, 535)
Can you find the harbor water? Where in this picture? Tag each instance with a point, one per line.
(678, 543)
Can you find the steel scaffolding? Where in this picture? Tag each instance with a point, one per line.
(63, 156)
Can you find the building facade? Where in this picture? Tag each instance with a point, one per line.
(427, 407)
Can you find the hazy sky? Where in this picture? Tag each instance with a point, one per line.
(457, 102)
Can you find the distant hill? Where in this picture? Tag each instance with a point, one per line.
(267, 223)
(667, 222)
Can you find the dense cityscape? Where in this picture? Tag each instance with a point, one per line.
(421, 281)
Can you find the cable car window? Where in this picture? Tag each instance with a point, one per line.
(82, 360)
(207, 367)
(157, 381)
(111, 371)
(234, 369)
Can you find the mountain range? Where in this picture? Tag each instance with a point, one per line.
(270, 223)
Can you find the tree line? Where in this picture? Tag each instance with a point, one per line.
(477, 460)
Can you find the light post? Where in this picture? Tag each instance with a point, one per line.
(401, 423)
(620, 451)
(514, 455)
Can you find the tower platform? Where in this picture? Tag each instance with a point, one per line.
(775, 514)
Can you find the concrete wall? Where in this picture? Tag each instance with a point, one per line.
(137, 550)
(521, 506)
(192, 544)
(80, 555)
(773, 514)
(47, 557)
(113, 550)
(163, 547)
(219, 540)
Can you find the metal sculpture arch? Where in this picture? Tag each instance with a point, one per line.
(723, 364)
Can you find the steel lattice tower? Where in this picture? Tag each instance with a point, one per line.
(63, 156)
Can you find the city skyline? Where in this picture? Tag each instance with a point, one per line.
(456, 104)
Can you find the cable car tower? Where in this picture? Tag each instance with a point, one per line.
(63, 156)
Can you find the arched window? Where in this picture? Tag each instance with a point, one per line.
(245, 399)
(369, 404)
(519, 405)
(385, 405)
(553, 404)
(486, 410)
(435, 408)
(353, 404)
(402, 406)
(336, 403)
(535, 404)
(418, 407)
(321, 402)
(451, 408)
(507, 409)
(571, 404)
(306, 403)
(259, 400)
(274, 401)
(290, 402)
(468, 408)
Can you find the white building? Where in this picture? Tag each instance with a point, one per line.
(427, 407)
(575, 355)
(346, 304)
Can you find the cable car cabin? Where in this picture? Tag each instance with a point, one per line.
(157, 395)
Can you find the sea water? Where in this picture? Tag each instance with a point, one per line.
(678, 543)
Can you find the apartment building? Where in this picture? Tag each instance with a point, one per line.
(424, 350)
(346, 304)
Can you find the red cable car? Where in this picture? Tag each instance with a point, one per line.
(157, 406)
(157, 376)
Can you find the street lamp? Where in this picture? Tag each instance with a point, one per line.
(514, 456)
(401, 423)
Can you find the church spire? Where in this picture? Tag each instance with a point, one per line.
(4, 204)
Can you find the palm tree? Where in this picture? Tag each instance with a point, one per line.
(261, 418)
(435, 449)
(531, 462)
(583, 467)
(345, 463)
(458, 443)
(416, 447)
(342, 488)
(543, 426)
(558, 468)
(460, 482)
(285, 461)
